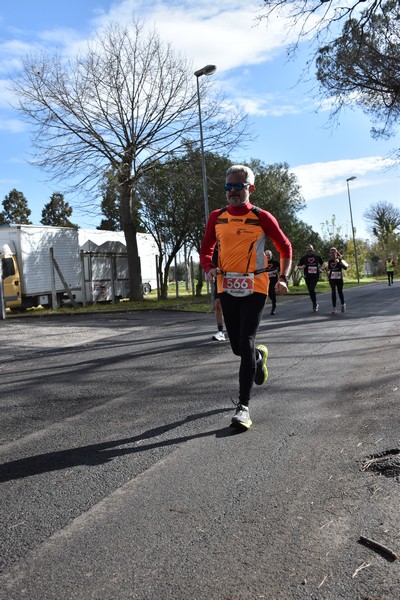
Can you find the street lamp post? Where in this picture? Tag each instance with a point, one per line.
(352, 227)
(207, 70)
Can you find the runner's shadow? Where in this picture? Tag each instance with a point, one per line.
(98, 454)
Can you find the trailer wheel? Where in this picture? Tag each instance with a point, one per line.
(146, 288)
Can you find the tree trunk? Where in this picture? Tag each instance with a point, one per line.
(199, 285)
(165, 283)
(164, 290)
(129, 228)
(135, 273)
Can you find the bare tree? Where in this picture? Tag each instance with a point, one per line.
(384, 222)
(319, 19)
(124, 104)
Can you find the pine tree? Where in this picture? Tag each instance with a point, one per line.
(57, 212)
(16, 211)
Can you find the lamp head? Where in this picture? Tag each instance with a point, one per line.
(351, 178)
(207, 70)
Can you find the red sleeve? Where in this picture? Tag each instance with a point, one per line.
(271, 228)
(208, 243)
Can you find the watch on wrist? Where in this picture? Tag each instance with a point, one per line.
(285, 278)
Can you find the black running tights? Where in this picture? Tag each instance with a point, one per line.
(242, 318)
(311, 283)
(336, 284)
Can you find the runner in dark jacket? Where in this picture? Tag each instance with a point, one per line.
(272, 269)
(336, 265)
(310, 263)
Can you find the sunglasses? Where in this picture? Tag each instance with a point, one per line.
(236, 186)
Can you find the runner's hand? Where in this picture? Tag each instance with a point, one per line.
(211, 275)
(281, 287)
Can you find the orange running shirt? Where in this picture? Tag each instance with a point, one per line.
(241, 234)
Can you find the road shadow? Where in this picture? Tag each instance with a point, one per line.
(98, 454)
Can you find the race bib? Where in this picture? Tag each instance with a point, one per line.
(312, 270)
(336, 275)
(238, 284)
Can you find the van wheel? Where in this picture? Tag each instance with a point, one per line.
(146, 288)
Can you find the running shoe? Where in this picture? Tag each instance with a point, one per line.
(315, 307)
(333, 311)
(219, 336)
(261, 375)
(343, 309)
(273, 311)
(241, 418)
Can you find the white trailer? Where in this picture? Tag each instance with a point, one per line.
(39, 262)
(105, 265)
(44, 265)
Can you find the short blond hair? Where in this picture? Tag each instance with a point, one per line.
(250, 177)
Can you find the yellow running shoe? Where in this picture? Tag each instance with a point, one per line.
(241, 418)
(261, 375)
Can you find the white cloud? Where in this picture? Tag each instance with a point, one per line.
(60, 37)
(12, 125)
(6, 96)
(322, 179)
(10, 52)
(224, 33)
(267, 106)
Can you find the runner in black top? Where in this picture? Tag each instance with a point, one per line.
(272, 269)
(336, 264)
(219, 336)
(310, 263)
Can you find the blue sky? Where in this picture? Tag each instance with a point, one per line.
(252, 68)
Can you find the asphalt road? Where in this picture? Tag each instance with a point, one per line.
(120, 478)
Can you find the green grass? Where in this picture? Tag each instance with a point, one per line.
(184, 302)
(323, 286)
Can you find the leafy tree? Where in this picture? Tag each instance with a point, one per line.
(384, 220)
(377, 254)
(165, 208)
(384, 224)
(216, 167)
(172, 205)
(364, 66)
(277, 190)
(359, 65)
(15, 209)
(300, 235)
(124, 104)
(349, 256)
(57, 212)
(111, 203)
